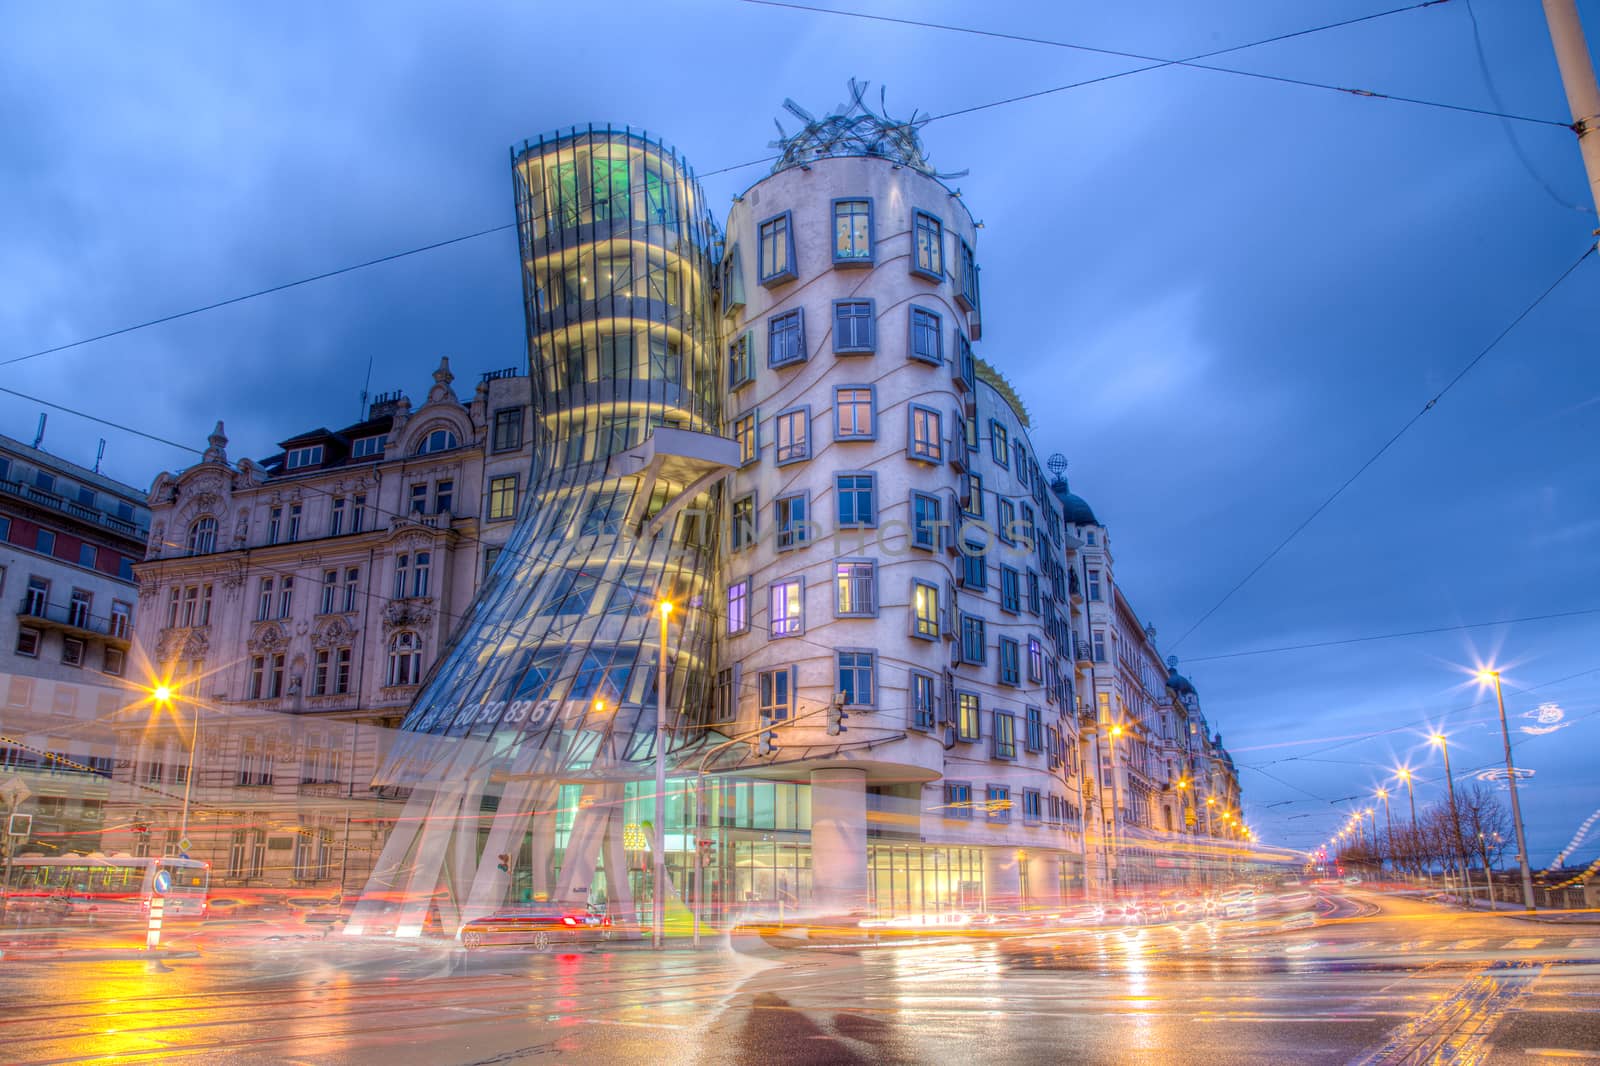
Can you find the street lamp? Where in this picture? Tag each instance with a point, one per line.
(1485, 675)
(161, 694)
(659, 900)
(1455, 813)
(1388, 827)
(1112, 734)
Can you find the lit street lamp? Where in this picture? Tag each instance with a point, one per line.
(1485, 675)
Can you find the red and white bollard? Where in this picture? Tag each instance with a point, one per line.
(152, 935)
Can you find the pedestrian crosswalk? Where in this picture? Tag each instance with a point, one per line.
(1483, 945)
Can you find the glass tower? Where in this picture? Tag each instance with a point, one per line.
(549, 686)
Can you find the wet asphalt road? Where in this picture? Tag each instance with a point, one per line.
(1409, 983)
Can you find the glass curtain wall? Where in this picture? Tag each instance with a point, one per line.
(555, 663)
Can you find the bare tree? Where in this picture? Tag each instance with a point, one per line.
(1484, 823)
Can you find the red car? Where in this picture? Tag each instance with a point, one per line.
(539, 929)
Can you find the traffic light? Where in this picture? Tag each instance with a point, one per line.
(836, 717)
(505, 862)
(768, 743)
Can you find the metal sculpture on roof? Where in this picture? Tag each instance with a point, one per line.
(854, 129)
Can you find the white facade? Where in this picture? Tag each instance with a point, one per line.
(873, 421)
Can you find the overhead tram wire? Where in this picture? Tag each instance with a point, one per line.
(1154, 64)
(372, 593)
(1394, 439)
(1190, 62)
(1391, 636)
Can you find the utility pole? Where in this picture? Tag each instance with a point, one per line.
(1577, 77)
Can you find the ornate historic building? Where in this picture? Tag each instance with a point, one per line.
(292, 601)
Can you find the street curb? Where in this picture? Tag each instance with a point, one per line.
(128, 955)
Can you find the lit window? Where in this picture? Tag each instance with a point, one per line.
(793, 433)
(928, 247)
(857, 508)
(852, 231)
(856, 678)
(503, 497)
(853, 326)
(776, 251)
(967, 725)
(927, 441)
(745, 433)
(853, 414)
(925, 610)
(786, 338)
(927, 336)
(855, 585)
(739, 607)
(786, 608)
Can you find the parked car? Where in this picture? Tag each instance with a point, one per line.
(539, 929)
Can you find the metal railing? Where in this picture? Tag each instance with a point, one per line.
(77, 510)
(75, 615)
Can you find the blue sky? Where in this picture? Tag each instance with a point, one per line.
(1220, 295)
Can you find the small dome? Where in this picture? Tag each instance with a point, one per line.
(1176, 681)
(1074, 509)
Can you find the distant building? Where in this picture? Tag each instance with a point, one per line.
(291, 601)
(1162, 772)
(68, 540)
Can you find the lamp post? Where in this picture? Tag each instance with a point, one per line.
(658, 894)
(1388, 827)
(1455, 813)
(1511, 783)
(162, 696)
(1112, 734)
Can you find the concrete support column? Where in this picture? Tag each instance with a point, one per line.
(839, 840)
(1002, 878)
(1044, 880)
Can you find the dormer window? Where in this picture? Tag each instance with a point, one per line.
(440, 440)
(365, 447)
(311, 455)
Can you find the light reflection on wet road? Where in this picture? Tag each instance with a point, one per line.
(1413, 983)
